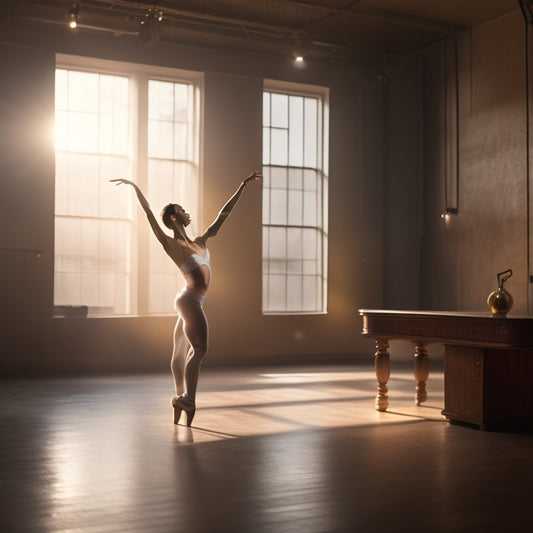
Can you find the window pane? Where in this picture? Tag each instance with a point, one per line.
(310, 179)
(292, 199)
(61, 184)
(160, 139)
(294, 267)
(294, 243)
(67, 288)
(111, 205)
(311, 293)
(310, 132)
(82, 132)
(278, 178)
(266, 146)
(181, 102)
(89, 288)
(113, 242)
(106, 95)
(296, 133)
(81, 194)
(278, 148)
(163, 288)
(160, 101)
(295, 208)
(83, 91)
(105, 134)
(180, 141)
(121, 292)
(279, 111)
(120, 138)
(310, 209)
(266, 109)
(94, 231)
(171, 179)
(276, 266)
(266, 206)
(92, 115)
(276, 292)
(309, 267)
(266, 176)
(265, 243)
(310, 239)
(278, 206)
(106, 289)
(61, 130)
(294, 293)
(277, 243)
(67, 234)
(89, 237)
(161, 179)
(295, 178)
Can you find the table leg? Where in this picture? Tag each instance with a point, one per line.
(382, 365)
(421, 372)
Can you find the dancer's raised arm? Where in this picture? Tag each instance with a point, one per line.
(223, 214)
(162, 237)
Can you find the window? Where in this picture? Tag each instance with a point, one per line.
(295, 188)
(116, 120)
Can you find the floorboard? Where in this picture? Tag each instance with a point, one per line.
(271, 450)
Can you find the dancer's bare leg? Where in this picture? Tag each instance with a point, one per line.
(196, 331)
(179, 357)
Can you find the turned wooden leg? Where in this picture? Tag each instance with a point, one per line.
(382, 365)
(421, 372)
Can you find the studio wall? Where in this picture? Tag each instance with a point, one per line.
(34, 342)
(463, 252)
(388, 244)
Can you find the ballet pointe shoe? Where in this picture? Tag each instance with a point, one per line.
(180, 403)
(190, 415)
(177, 410)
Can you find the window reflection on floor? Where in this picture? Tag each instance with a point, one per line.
(291, 401)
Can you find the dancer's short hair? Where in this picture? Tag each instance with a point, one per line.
(168, 210)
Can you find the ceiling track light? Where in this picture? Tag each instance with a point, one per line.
(74, 15)
(299, 50)
(149, 33)
(152, 15)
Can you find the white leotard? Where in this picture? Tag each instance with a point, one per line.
(195, 261)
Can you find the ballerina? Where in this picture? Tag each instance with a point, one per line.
(193, 260)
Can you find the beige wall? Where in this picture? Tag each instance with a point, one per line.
(388, 245)
(33, 341)
(489, 234)
(403, 188)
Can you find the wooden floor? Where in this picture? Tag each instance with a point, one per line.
(272, 450)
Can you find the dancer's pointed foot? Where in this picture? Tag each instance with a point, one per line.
(177, 409)
(183, 403)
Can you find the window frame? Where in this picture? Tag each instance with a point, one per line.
(139, 75)
(320, 93)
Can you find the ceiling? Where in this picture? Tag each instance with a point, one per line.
(344, 31)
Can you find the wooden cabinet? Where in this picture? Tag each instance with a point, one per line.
(488, 388)
(463, 384)
(488, 369)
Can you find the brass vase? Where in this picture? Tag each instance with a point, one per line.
(500, 301)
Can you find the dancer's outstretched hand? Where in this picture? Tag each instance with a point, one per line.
(254, 176)
(119, 181)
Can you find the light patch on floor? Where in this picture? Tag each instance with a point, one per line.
(292, 401)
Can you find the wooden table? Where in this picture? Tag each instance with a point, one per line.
(488, 362)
